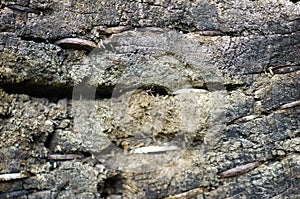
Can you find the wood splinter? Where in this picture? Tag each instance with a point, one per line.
(244, 119)
(76, 43)
(189, 90)
(239, 170)
(290, 105)
(13, 176)
(59, 157)
(155, 149)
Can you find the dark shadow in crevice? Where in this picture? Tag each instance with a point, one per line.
(54, 93)
(49, 143)
(233, 87)
(34, 39)
(86, 154)
(91, 93)
(5, 117)
(112, 186)
(40, 91)
(155, 90)
(150, 89)
(214, 86)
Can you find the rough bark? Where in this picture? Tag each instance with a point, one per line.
(212, 85)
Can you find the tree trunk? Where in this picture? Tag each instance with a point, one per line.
(150, 99)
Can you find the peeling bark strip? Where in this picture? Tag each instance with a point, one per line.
(76, 43)
(15, 194)
(290, 105)
(13, 176)
(189, 194)
(239, 170)
(63, 157)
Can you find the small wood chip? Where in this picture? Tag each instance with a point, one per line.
(155, 149)
(189, 90)
(239, 170)
(76, 43)
(59, 157)
(13, 176)
(290, 105)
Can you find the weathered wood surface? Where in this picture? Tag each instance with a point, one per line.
(150, 99)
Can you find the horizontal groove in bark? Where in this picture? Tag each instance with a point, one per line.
(66, 91)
